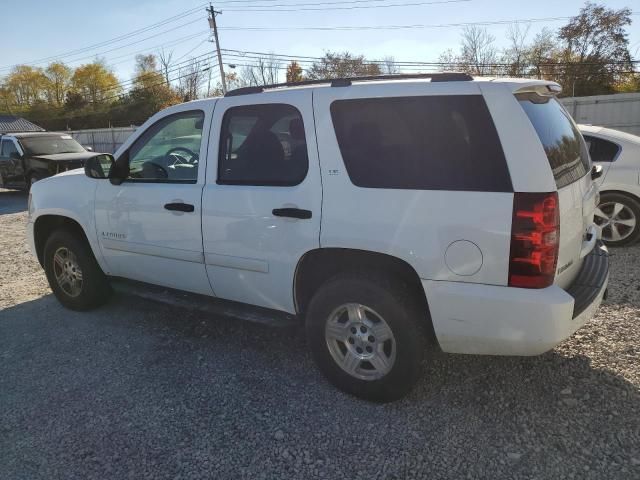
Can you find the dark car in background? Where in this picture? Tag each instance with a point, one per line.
(28, 157)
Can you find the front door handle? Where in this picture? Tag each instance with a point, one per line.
(292, 213)
(179, 207)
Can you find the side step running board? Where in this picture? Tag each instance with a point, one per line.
(205, 304)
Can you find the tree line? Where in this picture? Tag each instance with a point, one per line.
(588, 56)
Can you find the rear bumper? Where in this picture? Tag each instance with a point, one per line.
(493, 320)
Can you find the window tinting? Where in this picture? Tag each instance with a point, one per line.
(560, 138)
(169, 150)
(426, 143)
(51, 145)
(7, 148)
(601, 150)
(262, 145)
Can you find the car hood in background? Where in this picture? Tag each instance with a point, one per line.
(65, 157)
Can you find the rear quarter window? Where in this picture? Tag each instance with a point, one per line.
(422, 143)
(601, 150)
(562, 142)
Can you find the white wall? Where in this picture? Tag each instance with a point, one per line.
(103, 140)
(620, 111)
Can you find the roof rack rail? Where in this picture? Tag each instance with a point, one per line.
(345, 82)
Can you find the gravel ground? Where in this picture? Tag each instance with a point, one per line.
(137, 390)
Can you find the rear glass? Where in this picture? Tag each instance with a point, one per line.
(562, 142)
(422, 143)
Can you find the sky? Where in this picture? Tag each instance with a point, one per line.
(46, 29)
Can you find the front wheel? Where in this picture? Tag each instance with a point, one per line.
(619, 217)
(365, 334)
(73, 273)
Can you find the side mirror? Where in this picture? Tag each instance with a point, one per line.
(596, 172)
(100, 166)
(88, 148)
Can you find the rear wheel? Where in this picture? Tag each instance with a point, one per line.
(365, 334)
(73, 273)
(619, 217)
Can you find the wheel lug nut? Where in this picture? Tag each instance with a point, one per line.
(359, 350)
(354, 330)
(363, 329)
(371, 338)
(369, 349)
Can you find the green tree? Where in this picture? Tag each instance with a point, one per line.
(342, 65)
(595, 49)
(58, 77)
(95, 83)
(25, 85)
(149, 94)
(294, 72)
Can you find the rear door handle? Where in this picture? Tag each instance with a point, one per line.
(292, 213)
(179, 207)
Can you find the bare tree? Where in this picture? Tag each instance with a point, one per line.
(389, 66)
(264, 71)
(450, 62)
(478, 53)
(165, 59)
(516, 54)
(191, 79)
(542, 54)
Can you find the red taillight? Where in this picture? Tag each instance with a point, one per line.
(535, 237)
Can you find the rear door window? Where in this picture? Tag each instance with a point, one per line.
(601, 150)
(422, 143)
(263, 145)
(562, 142)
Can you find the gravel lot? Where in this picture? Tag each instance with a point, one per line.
(138, 390)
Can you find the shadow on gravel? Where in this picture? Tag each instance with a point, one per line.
(12, 201)
(134, 390)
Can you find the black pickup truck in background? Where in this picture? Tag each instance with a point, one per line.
(26, 158)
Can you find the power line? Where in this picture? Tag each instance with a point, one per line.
(400, 27)
(113, 40)
(253, 55)
(135, 43)
(279, 7)
(176, 67)
(177, 41)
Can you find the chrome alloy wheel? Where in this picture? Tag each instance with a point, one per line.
(616, 220)
(360, 341)
(67, 271)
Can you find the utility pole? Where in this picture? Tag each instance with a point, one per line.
(214, 27)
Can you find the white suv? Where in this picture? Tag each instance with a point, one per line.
(385, 213)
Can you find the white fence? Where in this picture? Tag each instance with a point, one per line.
(104, 140)
(620, 111)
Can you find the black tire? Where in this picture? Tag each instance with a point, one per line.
(95, 289)
(606, 199)
(390, 298)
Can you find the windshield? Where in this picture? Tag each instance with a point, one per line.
(51, 144)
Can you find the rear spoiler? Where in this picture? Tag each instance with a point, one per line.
(546, 89)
